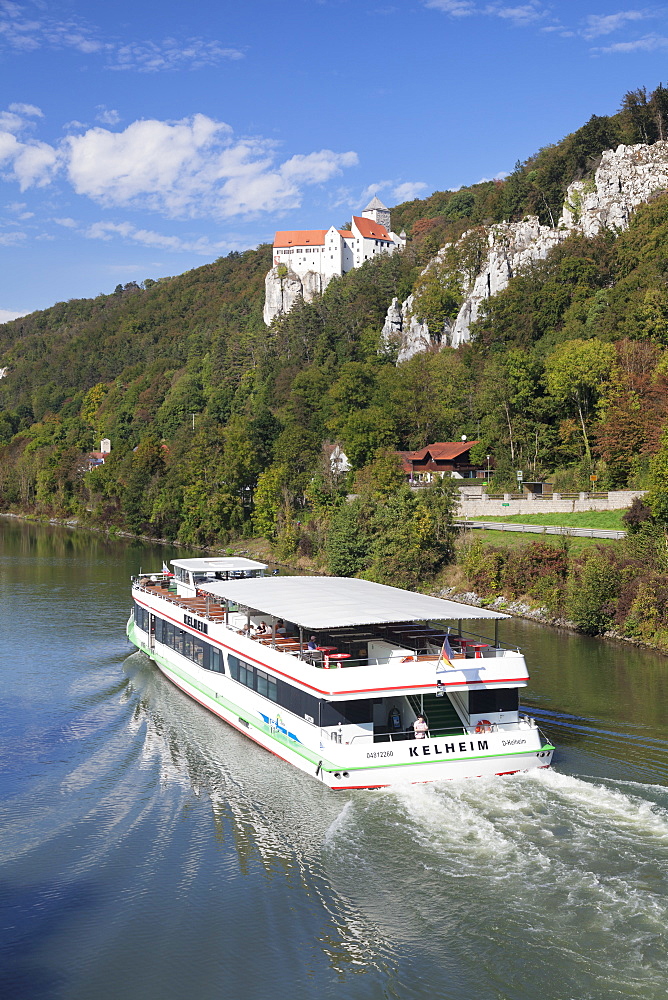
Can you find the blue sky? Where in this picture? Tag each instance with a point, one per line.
(138, 140)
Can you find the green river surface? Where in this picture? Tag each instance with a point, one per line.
(150, 852)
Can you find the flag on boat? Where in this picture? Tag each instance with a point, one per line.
(165, 567)
(445, 659)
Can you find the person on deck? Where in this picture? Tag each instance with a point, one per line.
(312, 644)
(280, 627)
(421, 728)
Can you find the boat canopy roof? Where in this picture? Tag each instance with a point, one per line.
(223, 564)
(325, 602)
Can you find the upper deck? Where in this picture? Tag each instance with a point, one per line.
(386, 639)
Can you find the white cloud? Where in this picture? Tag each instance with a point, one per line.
(107, 116)
(34, 164)
(501, 176)
(18, 208)
(408, 190)
(67, 223)
(170, 54)
(23, 32)
(146, 237)
(519, 14)
(316, 168)
(400, 190)
(11, 239)
(10, 122)
(606, 24)
(371, 189)
(648, 43)
(192, 168)
(30, 162)
(29, 110)
(7, 315)
(457, 8)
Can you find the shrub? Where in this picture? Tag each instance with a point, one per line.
(637, 516)
(484, 567)
(535, 566)
(593, 586)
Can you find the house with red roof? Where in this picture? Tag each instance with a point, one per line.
(444, 458)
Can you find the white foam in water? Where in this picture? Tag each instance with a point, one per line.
(568, 867)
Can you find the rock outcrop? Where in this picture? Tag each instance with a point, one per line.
(282, 288)
(511, 246)
(626, 177)
(403, 331)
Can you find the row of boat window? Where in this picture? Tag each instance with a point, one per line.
(191, 646)
(200, 652)
(323, 713)
(253, 677)
(298, 702)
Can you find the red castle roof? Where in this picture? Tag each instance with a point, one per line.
(371, 230)
(300, 237)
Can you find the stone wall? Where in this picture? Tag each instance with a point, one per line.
(616, 500)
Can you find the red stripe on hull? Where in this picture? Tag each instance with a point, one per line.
(338, 694)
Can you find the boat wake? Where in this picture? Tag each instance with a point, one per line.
(563, 867)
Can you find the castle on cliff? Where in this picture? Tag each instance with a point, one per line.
(310, 258)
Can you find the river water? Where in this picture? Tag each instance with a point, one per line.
(148, 851)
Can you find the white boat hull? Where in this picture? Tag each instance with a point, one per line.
(343, 766)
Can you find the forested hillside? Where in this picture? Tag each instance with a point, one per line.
(219, 426)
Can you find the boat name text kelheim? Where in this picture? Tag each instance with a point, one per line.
(428, 748)
(193, 623)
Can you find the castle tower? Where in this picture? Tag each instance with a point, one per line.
(377, 212)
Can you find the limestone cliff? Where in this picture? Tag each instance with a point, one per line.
(282, 288)
(625, 178)
(403, 331)
(511, 246)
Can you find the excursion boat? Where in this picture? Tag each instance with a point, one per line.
(357, 684)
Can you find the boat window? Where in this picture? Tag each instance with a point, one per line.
(279, 691)
(499, 700)
(141, 617)
(266, 685)
(200, 652)
(216, 660)
(346, 712)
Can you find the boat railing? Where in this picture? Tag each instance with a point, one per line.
(403, 735)
(464, 644)
(447, 731)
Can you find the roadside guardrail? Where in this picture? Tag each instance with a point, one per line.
(542, 529)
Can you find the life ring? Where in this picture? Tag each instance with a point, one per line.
(484, 726)
(408, 659)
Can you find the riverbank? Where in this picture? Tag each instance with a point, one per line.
(452, 583)
(534, 613)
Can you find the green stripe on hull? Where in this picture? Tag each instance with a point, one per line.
(230, 706)
(299, 749)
